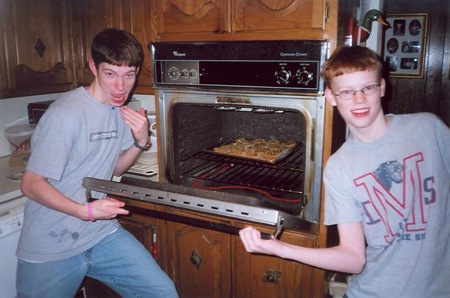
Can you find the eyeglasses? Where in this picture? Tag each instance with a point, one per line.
(349, 94)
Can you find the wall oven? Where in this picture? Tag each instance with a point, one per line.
(263, 100)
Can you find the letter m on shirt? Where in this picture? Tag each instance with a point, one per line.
(409, 206)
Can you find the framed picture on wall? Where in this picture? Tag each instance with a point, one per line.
(405, 44)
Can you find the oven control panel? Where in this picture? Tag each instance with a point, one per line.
(281, 65)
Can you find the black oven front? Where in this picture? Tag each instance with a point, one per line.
(277, 66)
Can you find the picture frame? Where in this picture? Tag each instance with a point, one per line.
(405, 44)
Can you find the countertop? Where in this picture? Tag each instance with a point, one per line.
(9, 189)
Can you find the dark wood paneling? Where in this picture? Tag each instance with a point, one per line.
(432, 92)
(444, 104)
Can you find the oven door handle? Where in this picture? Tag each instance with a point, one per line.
(195, 222)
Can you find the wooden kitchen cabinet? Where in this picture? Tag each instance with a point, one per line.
(205, 257)
(145, 232)
(200, 261)
(257, 275)
(303, 19)
(45, 45)
(36, 51)
(178, 20)
(89, 17)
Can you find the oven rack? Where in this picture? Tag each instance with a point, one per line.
(285, 178)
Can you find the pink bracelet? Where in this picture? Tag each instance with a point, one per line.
(90, 215)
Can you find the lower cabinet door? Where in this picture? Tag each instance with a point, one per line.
(257, 275)
(199, 261)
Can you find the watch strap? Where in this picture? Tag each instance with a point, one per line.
(144, 148)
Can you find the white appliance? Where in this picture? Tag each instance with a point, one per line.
(11, 219)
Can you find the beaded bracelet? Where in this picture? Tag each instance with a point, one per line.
(90, 215)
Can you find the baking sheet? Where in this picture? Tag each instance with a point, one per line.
(259, 158)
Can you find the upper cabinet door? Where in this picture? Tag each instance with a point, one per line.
(89, 17)
(288, 18)
(37, 53)
(179, 20)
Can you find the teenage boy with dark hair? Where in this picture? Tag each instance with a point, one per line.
(87, 132)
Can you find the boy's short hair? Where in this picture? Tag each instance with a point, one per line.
(348, 59)
(116, 47)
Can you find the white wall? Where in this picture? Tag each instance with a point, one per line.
(14, 111)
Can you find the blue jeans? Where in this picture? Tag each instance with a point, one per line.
(120, 261)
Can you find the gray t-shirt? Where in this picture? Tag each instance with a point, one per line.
(399, 188)
(77, 137)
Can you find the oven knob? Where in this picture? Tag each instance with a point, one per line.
(282, 76)
(193, 73)
(173, 73)
(185, 73)
(188, 73)
(303, 76)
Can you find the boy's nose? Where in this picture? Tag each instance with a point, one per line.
(359, 95)
(120, 83)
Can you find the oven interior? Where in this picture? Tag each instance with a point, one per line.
(197, 128)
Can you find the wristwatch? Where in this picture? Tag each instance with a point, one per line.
(145, 148)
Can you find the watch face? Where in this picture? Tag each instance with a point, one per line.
(147, 147)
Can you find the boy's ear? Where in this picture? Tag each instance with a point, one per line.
(382, 87)
(92, 66)
(330, 97)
